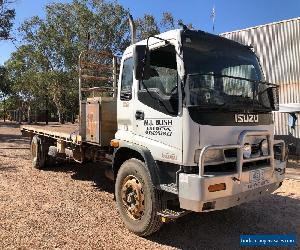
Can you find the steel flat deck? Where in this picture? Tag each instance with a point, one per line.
(66, 132)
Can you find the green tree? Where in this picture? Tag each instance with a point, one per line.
(45, 68)
(167, 21)
(146, 26)
(7, 16)
(5, 90)
(4, 84)
(54, 43)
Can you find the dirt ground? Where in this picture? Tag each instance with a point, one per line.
(72, 207)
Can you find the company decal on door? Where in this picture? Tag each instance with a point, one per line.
(156, 126)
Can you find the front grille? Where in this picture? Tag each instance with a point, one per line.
(257, 159)
(229, 167)
(255, 149)
(229, 153)
(255, 165)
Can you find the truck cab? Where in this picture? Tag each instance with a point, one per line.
(194, 108)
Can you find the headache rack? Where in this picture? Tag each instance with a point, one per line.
(98, 74)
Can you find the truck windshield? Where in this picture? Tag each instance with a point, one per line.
(222, 74)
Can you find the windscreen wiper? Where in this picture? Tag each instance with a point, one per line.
(221, 107)
(235, 77)
(272, 85)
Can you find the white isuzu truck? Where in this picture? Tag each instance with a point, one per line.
(186, 127)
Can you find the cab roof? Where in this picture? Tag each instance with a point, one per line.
(175, 34)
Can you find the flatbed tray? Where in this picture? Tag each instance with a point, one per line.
(67, 132)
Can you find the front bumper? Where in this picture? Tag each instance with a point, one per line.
(228, 201)
(194, 194)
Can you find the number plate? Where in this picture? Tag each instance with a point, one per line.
(256, 180)
(256, 176)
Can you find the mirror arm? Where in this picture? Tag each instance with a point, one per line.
(166, 41)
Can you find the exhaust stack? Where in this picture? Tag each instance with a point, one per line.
(132, 29)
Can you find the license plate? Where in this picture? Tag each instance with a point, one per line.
(256, 180)
(256, 176)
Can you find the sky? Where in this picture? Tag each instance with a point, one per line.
(230, 14)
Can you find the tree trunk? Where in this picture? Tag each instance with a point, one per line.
(60, 111)
(20, 115)
(35, 116)
(4, 110)
(28, 114)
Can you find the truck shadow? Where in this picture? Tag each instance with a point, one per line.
(87, 172)
(7, 168)
(9, 124)
(10, 138)
(10, 143)
(222, 229)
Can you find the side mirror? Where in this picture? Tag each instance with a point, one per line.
(273, 96)
(141, 57)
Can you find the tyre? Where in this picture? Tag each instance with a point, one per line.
(138, 201)
(38, 157)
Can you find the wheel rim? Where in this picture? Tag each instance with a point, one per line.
(133, 197)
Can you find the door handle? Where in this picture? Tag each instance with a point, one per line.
(139, 115)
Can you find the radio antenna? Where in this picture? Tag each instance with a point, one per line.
(213, 17)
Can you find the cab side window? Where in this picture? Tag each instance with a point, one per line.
(163, 78)
(127, 80)
(160, 91)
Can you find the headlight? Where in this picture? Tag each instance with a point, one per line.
(264, 147)
(247, 150)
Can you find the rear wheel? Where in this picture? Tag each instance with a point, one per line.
(38, 156)
(137, 199)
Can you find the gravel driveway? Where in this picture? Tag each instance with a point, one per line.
(72, 207)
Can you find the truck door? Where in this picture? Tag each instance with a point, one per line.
(125, 101)
(157, 124)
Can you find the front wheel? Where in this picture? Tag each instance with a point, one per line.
(138, 201)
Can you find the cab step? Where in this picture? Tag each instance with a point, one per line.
(170, 188)
(169, 215)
